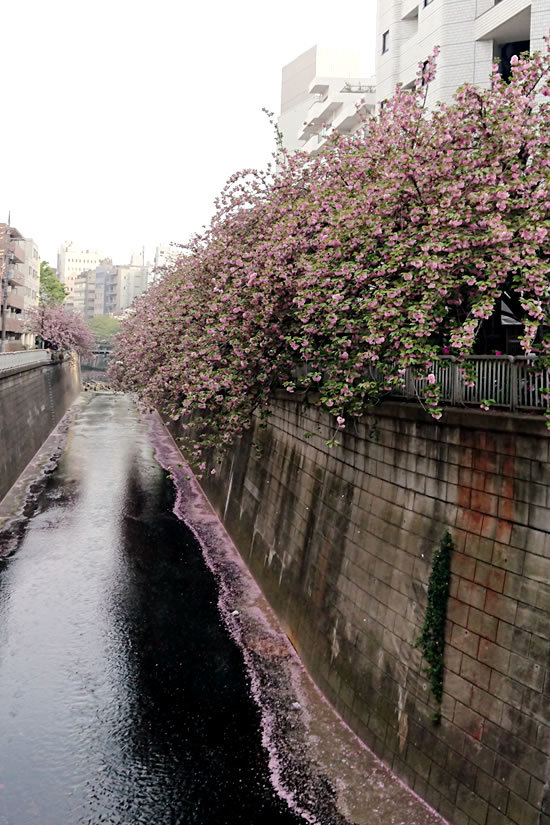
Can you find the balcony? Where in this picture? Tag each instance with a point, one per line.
(319, 89)
(367, 89)
(508, 20)
(314, 143)
(15, 278)
(14, 324)
(409, 9)
(323, 111)
(349, 119)
(17, 253)
(15, 301)
(317, 98)
(320, 112)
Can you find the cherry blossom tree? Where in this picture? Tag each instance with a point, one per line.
(384, 251)
(61, 329)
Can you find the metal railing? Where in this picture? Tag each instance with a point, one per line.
(9, 360)
(98, 361)
(358, 88)
(504, 381)
(501, 381)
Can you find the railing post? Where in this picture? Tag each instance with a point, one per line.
(513, 397)
(457, 392)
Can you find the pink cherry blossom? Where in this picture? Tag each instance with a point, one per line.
(61, 328)
(340, 272)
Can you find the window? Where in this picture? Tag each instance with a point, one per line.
(424, 67)
(385, 41)
(507, 51)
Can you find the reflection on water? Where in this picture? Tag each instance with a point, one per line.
(122, 698)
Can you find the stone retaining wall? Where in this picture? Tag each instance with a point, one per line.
(33, 399)
(341, 542)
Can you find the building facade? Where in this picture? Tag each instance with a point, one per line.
(30, 271)
(109, 289)
(83, 299)
(71, 261)
(133, 280)
(106, 291)
(471, 34)
(20, 284)
(322, 90)
(166, 254)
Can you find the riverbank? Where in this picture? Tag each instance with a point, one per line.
(317, 763)
(103, 541)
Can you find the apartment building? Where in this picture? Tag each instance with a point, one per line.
(470, 34)
(20, 278)
(106, 293)
(83, 299)
(12, 287)
(29, 270)
(71, 261)
(109, 289)
(133, 279)
(322, 90)
(166, 254)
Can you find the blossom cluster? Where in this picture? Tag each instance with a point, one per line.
(60, 328)
(341, 271)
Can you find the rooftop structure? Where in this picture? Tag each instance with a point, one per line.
(322, 90)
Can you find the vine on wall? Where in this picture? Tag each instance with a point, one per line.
(432, 638)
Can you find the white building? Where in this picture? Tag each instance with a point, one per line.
(71, 261)
(320, 92)
(132, 280)
(166, 254)
(470, 34)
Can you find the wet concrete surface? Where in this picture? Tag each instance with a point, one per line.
(143, 678)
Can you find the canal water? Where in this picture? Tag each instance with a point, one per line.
(123, 699)
(124, 696)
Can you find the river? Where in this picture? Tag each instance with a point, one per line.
(124, 695)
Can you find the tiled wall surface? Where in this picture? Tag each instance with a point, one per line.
(32, 400)
(341, 541)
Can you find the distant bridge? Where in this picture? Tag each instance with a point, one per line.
(98, 361)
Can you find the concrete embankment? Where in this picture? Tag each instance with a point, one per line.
(341, 542)
(33, 398)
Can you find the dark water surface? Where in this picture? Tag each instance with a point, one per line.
(123, 699)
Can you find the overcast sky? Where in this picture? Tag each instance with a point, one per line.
(122, 119)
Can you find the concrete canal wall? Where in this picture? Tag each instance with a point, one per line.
(341, 541)
(33, 398)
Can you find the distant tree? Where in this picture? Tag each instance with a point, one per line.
(61, 329)
(52, 291)
(104, 327)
